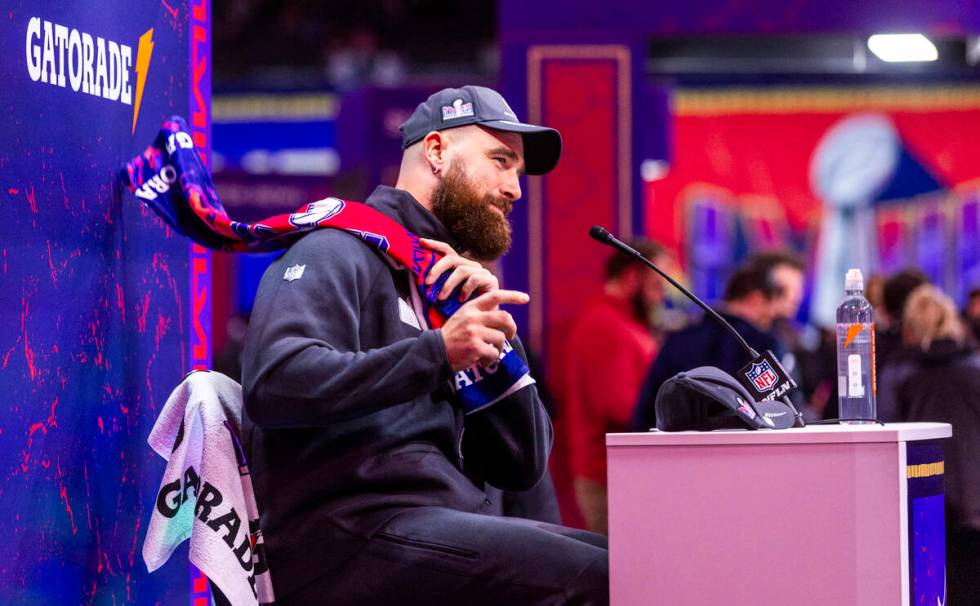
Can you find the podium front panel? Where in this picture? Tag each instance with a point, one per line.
(848, 515)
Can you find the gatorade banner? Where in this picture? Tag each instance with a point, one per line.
(103, 309)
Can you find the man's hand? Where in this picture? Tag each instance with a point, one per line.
(476, 333)
(473, 276)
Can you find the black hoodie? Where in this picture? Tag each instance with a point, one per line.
(942, 384)
(347, 412)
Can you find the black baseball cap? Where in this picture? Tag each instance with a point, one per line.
(452, 107)
(707, 398)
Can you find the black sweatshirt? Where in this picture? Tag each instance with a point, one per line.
(347, 412)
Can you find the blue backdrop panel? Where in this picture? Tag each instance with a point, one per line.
(93, 297)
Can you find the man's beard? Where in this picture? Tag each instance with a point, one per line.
(482, 232)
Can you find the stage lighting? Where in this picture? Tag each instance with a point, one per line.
(895, 48)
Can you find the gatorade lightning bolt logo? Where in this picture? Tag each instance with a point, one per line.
(852, 332)
(143, 54)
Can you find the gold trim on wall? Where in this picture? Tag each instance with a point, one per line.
(823, 99)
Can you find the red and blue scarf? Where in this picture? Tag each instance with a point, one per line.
(170, 178)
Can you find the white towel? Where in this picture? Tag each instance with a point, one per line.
(206, 492)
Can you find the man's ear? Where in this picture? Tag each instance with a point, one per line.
(434, 148)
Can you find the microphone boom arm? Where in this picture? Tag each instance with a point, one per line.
(603, 236)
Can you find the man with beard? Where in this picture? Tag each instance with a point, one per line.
(609, 350)
(369, 474)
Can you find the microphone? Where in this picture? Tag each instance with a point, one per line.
(600, 234)
(766, 371)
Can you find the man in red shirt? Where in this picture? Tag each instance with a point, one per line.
(610, 348)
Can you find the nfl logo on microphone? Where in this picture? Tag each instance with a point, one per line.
(762, 376)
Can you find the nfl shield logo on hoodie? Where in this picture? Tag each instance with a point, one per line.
(294, 273)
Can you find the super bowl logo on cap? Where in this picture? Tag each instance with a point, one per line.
(744, 407)
(762, 376)
(316, 212)
(457, 110)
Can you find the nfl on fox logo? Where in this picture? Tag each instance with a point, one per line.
(762, 376)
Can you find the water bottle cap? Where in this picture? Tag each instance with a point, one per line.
(854, 280)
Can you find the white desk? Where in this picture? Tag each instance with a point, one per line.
(818, 515)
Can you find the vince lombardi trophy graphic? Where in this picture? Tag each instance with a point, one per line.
(852, 164)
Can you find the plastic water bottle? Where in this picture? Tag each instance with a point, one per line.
(855, 353)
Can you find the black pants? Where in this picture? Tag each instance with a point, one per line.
(962, 565)
(432, 555)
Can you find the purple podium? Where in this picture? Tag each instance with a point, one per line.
(828, 514)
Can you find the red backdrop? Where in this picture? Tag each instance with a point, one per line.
(758, 143)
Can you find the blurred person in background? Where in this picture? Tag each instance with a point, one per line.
(971, 313)
(609, 350)
(940, 382)
(895, 292)
(752, 303)
(874, 292)
(787, 272)
(890, 348)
